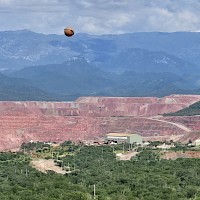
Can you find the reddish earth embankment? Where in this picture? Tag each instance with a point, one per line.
(93, 117)
(180, 154)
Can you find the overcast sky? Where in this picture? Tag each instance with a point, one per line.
(100, 16)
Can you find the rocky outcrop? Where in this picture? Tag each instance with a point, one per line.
(93, 117)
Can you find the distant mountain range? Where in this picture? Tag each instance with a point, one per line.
(54, 67)
(20, 89)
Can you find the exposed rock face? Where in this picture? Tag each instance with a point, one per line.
(93, 117)
(120, 106)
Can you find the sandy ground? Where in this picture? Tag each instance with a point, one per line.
(127, 156)
(44, 165)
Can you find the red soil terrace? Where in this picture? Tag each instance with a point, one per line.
(92, 117)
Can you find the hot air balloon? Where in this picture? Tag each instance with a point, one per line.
(68, 31)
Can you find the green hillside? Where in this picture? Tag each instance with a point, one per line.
(193, 109)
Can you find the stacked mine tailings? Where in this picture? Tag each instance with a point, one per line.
(93, 117)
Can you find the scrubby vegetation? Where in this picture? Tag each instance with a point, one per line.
(193, 109)
(145, 177)
(19, 181)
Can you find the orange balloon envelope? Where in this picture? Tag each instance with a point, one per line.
(69, 31)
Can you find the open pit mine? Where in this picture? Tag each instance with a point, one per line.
(90, 118)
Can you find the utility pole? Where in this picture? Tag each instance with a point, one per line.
(94, 192)
(68, 167)
(113, 149)
(26, 171)
(74, 167)
(63, 165)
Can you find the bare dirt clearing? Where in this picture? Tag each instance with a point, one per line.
(44, 165)
(127, 156)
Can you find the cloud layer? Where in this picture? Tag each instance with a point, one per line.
(100, 16)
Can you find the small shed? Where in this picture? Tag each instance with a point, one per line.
(197, 142)
(129, 138)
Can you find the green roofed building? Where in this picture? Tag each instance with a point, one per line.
(129, 138)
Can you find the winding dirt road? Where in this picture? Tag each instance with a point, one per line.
(181, 126)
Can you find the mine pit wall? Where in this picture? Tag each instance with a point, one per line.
(18, 129)
(192, 122)
(131, 109)
(91, 118)
(133, 106)
(39, 108)
(102, 106)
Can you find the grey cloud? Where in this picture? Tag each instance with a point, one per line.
(100, 16)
